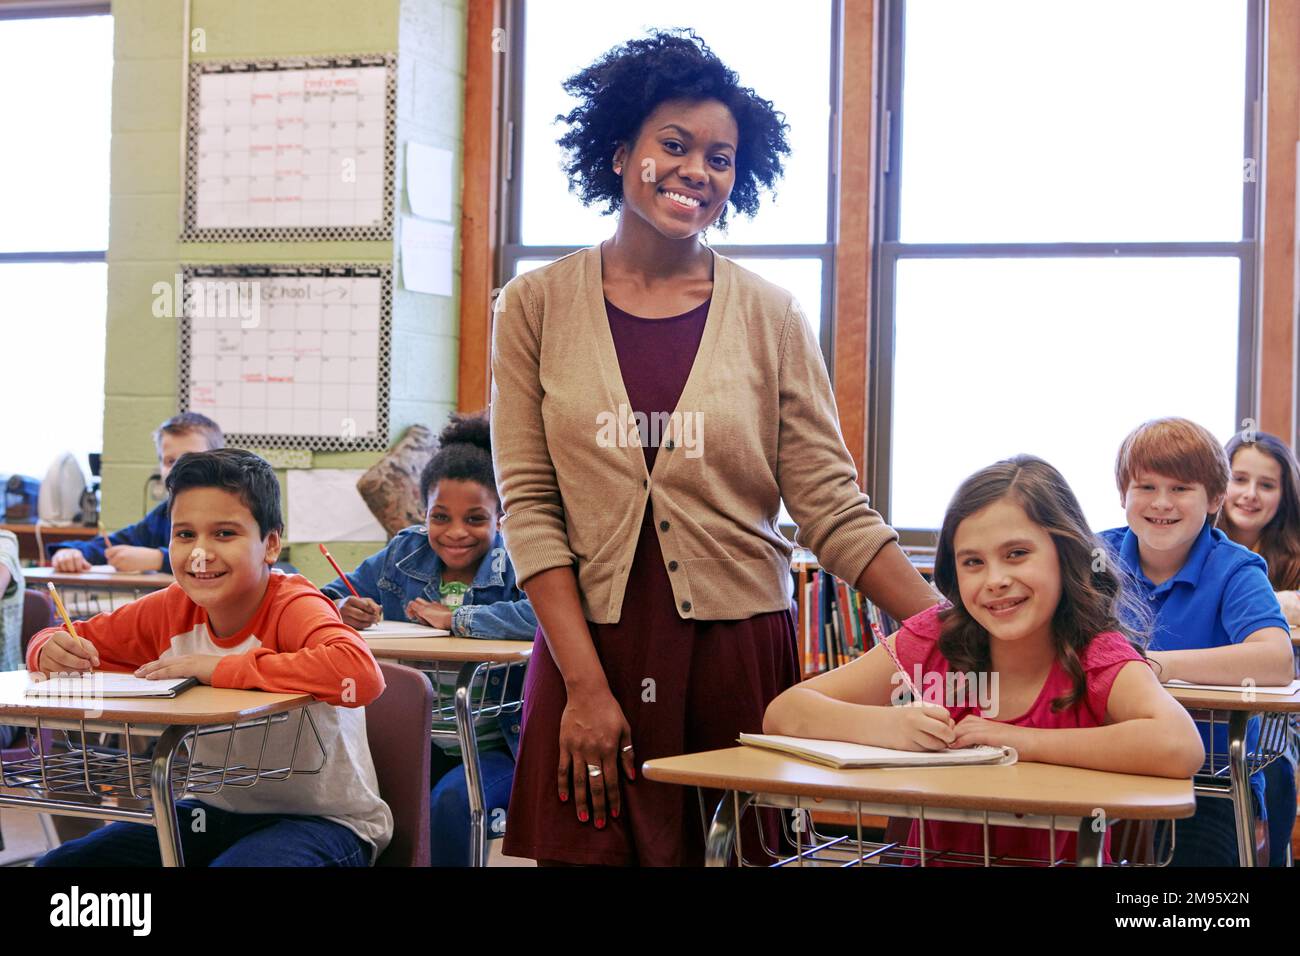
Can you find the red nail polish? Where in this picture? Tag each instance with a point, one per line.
(564, 798)
(614, 814)
(582, 815)
(600, 824)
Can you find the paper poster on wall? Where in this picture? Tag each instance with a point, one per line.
(324, 505)
(429, 181)
(427, 256)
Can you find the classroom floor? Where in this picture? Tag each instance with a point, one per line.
(23, 838)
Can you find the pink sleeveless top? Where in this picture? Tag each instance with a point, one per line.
(918, 645)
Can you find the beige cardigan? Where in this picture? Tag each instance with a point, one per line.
(758, 423)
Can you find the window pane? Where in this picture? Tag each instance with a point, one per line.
(58, 74)
(788, 65)
(53, 363)
(1059, 358)
(1075, 120)
(800, 277)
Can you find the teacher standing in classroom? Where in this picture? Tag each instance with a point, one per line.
(652, 403)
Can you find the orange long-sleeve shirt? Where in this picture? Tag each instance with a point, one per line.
(295, 643)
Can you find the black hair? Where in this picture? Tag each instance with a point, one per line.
(234, 470)
(628, 82)
(186, 423)
(464, 454)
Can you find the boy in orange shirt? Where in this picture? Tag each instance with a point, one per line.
(230, 621)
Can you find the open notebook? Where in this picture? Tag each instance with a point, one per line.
(846, 756)
(402, 629)
(105, 684)
(1283, 690)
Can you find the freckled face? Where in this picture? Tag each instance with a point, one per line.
(679, 173)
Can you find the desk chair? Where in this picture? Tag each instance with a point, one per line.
(38, 614)
(397, 727)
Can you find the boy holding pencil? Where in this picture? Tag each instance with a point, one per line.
(143, 545)
(229, 620)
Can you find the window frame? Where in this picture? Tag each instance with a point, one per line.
(42, 10)
(889, 250)
(510, 249)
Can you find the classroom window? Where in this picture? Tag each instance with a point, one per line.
(788, 242)
(1067, 237)
(54, 235)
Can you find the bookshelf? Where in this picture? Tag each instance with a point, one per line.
(833, 623)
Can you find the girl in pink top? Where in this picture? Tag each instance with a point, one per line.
(1029, 653)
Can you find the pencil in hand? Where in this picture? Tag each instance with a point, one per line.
(907, 681)
(67, 623)
(335, 565)
(103, 533)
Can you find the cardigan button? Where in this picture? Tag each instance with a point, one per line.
(645, 483)
(686, 605)
(669, 444)
(663, 526)
(672, 565)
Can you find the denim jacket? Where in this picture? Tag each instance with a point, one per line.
(493, 608)
(409, 568)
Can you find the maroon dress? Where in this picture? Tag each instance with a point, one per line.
(684, 685)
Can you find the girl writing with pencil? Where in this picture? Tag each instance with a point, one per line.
(1033, 602)
(452, 573)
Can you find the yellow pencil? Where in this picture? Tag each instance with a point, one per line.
(63, 611)
(103, 533)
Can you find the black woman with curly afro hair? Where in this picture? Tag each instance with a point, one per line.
(650, 554)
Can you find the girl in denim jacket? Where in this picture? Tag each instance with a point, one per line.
(452, 573)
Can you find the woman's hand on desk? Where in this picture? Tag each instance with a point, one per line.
(199, 666)
(594, 736)
(128, 557)
(70, 561)
(429, 612)
(64, 653)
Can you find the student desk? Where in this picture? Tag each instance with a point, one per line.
(1228, 775)
(1033, 795)
(484, 670)
(87, 594)
(75, 778)
(32, 538)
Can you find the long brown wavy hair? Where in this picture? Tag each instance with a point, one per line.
(1094, 597)
(1279, 544)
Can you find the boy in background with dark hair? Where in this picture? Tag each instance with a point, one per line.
(230, 621)
(143, 545)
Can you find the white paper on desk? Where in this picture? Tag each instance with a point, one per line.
(324, 505)
(106, 684)
(402, 629)
(843, 755)
(1282, 691)
(429, 181)
(426, 256)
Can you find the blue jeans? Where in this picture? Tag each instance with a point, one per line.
(449, 803)
(1279, 795)
(227, 839)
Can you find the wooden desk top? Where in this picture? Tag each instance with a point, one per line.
(1029, 788)
(1193, 698)
(52, 532)
(198, 706)
(107, 579)
(450, 649)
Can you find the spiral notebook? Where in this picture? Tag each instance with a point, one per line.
(847, 756)
(105, 684)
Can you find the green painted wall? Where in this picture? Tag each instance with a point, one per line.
(146, 197)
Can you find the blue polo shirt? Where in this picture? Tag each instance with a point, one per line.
(1220, 596)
